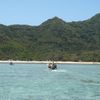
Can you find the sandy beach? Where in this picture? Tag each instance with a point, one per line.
(45, 62)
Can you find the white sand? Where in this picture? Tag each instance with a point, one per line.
(46, 62)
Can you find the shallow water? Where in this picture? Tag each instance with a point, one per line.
(37, 82)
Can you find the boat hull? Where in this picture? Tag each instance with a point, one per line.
(52, 66)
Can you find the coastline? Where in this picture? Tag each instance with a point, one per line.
(44, 62)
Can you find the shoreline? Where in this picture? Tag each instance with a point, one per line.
(44, 62)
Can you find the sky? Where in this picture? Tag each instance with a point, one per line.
(35, 12)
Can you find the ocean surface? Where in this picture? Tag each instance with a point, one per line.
(37, 82)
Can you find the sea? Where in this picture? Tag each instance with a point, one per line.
(37, 82)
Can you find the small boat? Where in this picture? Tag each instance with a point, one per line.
(52, 66)
(11, 63)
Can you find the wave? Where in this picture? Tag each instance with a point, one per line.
(58, 70)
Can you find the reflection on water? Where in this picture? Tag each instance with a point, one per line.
(37, 82)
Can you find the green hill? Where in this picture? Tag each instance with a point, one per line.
(53, 39)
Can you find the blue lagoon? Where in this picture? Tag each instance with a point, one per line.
(37, 82)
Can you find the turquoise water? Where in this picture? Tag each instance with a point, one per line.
(37, 82)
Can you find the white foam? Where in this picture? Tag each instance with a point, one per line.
(59, 70)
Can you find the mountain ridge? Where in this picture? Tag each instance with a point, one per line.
(53, 39)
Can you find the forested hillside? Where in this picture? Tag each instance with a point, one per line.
(54, 39)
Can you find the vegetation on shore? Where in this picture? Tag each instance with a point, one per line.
(54, 39)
